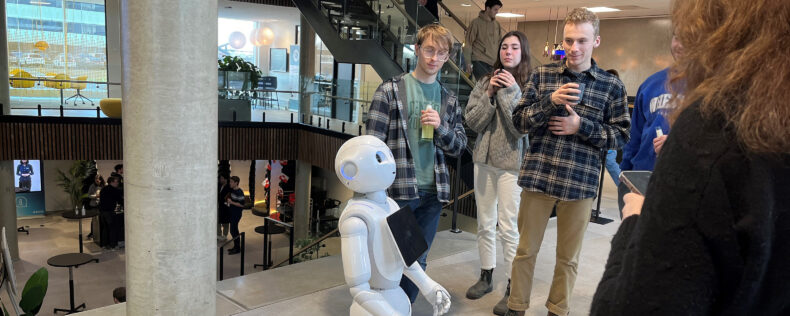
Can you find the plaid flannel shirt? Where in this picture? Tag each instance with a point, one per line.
(386, 121)
(568, 167)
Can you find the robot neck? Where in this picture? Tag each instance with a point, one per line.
(378, 196)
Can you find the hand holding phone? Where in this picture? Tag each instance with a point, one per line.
(636, 181)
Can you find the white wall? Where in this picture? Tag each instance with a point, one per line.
(55, 199)
(637, 48)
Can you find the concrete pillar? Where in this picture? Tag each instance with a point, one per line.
(8, 205)
(170, 131)
(306, 66)
(5, 99)
(304, 173)
(7, 194)
(112, 13)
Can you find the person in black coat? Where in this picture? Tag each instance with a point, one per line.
(712, 234)
(111, 225)
(223, 212)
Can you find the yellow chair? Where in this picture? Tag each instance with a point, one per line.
(111, 107)
(22, 84)
(57, 85)
(78, 87)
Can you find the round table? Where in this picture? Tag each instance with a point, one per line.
(71, 261)
(267, 242)
(79, 216)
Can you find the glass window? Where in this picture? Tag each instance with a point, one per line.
(56, 39)
(233, 39)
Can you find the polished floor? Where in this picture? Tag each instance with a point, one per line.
(315, 287)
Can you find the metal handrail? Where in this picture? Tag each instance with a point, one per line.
(305, 248)
(64, 80)
(222, 255)
(460, 197)
(455, 17)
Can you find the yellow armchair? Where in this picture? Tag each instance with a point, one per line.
(24, 84)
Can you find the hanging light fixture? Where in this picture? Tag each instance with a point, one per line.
(558, 52)
(262, 36)
(548, 25)
(237, 40)
(41, 45)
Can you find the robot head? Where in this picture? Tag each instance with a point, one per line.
(365, 164)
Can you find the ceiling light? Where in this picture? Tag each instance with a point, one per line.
(602, 9)
(465, 5)
(509, 15)
(39, 2)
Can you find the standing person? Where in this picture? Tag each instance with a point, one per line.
(568, 127)
(611, 155)
(94, 191)
(111, 198)
(235, 202)
(223, 212)
(497, 156)
(710, 236)
(650, 110)
(24, 170)
(118, 173)
(482, 37)
(399, 114)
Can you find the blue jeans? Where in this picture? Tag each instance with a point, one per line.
(427, 210)
(612, 166)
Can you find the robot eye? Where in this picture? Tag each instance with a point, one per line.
(380, 157)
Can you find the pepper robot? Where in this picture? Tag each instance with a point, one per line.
(373, 264)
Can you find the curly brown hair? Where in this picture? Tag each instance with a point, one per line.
(735, 64)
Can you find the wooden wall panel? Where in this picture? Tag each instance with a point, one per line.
(101, 139)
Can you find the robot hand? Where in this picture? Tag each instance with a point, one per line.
(440, 300)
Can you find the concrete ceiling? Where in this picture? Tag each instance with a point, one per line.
(538, 10)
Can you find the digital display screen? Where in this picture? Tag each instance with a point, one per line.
(27, 175)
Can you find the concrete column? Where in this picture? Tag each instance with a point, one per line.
(170, 136)
(306, 66)
(304, 173)
(5, 99)
(8, 205)
(112, 13)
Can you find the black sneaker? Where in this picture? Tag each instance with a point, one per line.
(233, 251)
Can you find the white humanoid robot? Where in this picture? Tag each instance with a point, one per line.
(372, 262)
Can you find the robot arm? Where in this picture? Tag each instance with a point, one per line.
(356, 267)
(436, 294)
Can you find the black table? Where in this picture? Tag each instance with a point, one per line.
(267, 230)
(79, 216)
(71, 260)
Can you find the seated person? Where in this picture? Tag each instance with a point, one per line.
(119, 294)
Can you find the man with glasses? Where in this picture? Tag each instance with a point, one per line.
(420, 121)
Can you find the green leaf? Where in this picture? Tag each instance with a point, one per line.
(34, 292)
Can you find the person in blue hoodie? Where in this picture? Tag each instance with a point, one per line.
(650, 107)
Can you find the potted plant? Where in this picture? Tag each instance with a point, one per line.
(72, 182)
(239, 74)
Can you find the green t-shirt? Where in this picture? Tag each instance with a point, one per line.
(419, 95)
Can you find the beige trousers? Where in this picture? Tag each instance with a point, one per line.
(572, 219)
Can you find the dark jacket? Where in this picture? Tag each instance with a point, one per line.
(110, 196)
(223, 212)
(714, 234)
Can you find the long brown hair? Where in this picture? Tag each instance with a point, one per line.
(524, 67)
(735, 63)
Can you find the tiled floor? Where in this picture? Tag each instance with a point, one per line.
(315, 287)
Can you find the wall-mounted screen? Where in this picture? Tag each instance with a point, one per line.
(27, 175)
(278, 59)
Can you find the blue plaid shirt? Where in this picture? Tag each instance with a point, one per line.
(386, 121)
(568, 167)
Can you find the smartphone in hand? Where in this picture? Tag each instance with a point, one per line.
(636, 181)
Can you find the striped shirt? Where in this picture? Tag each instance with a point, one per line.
(568, 167)
(387, 121)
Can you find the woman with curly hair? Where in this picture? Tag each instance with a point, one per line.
(710, 236)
